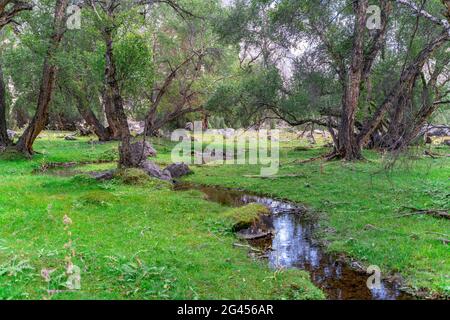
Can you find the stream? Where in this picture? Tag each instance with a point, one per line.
(292, 246)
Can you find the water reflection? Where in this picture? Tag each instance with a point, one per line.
(292, 246)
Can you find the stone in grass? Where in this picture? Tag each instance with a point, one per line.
(140, 151)
(70, 138)
(103, 175)
(153, 170)
(178, 170)
(246, 217)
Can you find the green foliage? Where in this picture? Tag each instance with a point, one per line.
(242, 101)
(135, 69)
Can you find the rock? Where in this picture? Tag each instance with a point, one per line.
(436, 131)
(103, 175)
(140, 151)
(153, 170)
(446, 143)
(70, 137)
(189, 126)
(178, 170)
(11, 134)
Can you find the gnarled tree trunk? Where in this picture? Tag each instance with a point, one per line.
(91, 119)
(348, 147)
(403, 85)
(4, 139)
(8, 10)
(113, 124)
(114, 100)
(49, 71)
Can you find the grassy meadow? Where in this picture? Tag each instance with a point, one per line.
(139, 239)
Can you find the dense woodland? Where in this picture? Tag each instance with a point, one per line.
(237, 64)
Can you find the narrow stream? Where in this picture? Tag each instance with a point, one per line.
(292, 246)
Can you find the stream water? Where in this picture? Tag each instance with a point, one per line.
(292, 246)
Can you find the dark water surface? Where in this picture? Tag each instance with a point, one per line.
(292, 246)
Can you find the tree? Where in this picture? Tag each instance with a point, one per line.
(333, 42)
(188, 66)
(8, 10)
(402, 90)
(49, 72)
(110, 20)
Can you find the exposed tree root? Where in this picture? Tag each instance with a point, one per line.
(442, 214)
(434, 155)
(248, 247)
(334, 155)
(56, 165)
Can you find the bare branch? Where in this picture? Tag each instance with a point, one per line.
(423, 13)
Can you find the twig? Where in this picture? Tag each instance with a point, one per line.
(434, 213)
(248, 247)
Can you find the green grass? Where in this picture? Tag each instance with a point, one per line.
(130, 241)
(245, 217)
(360, 203)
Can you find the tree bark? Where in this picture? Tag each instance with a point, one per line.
(432, 93)
(91, 119)
(404, 84)
(113, 124)
(348, 148)
(113, 98)
(49, 71)
(4, 139)
(10, 8)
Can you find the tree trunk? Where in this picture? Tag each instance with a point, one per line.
(4, 139)
(91, 119)
(404, 84)
(432, 94)
(49, 71)
(113, 100)
(348, 148)
(9, 9)
(113, 125)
